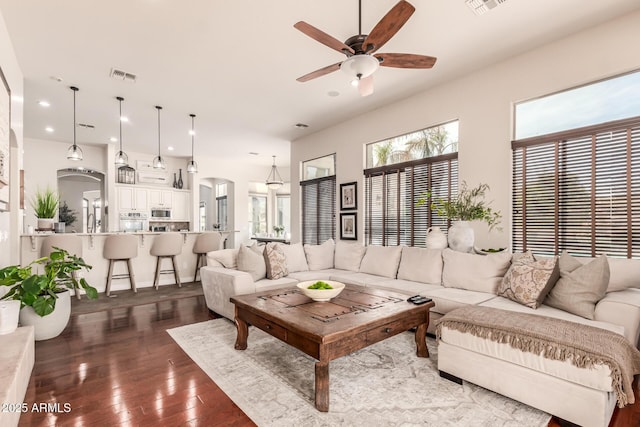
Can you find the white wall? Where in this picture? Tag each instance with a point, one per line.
(483, 102)
(11, 222)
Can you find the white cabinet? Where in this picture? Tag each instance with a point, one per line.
(180, 209)
(160, 198)
(132, 199)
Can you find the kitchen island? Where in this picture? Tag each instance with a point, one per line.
(143, 265)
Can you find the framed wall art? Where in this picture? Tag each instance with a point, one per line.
(349, 196)
(349, 226)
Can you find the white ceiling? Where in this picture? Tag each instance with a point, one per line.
(234, 64)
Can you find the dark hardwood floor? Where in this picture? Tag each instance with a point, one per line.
(120, 367)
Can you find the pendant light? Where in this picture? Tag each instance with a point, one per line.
(74, 152)
(192, 166)
(121, 157)
(274, 181)
(158, 162)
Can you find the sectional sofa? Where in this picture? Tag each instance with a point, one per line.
(455, 280)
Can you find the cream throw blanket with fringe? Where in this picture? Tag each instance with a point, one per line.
(556, 339)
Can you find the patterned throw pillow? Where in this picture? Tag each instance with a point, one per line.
(529, 281)
(275, 261)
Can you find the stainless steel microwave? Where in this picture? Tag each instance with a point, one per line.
(160, 213)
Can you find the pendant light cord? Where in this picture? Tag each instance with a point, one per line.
(159, 108)
(74, 89)
(193, 116)
(120, 99)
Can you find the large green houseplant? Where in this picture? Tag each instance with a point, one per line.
(467, 205)
(40, 294)
(45, 206)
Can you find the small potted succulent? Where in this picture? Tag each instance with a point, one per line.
(278, 229)
(45, 297)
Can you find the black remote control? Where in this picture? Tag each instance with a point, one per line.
(421, 301)
(415, 297)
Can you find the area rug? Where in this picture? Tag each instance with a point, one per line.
(385, 384)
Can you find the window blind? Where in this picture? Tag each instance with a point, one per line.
(391, 193)
(579, 191)
(318, 210)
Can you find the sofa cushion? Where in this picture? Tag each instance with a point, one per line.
(267, 285)
(381, 261)
(447, 299)
(406, 286)
(580, 287)
(296, 259)
(227, 258)
(421, 265)
(275, 261)
(481, 273)
(251, 261)
(303, 276)
(623, 274)
(353, 278)
(320, 257)
(348, 256)
(529, 281)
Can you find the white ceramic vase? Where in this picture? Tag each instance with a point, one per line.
(9, 311)
(45, 223)
(52, 325)
(436, 239)
(461, 236)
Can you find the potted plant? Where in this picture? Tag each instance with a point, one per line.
(278, 229)
(468, 205)
(45, 206)
(44, 297)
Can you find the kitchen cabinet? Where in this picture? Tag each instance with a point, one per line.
(132, 199)
(160, 198)
(180, 209)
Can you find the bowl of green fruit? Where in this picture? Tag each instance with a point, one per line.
(321, 290)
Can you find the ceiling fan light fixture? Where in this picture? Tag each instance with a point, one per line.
(360, 66)
(274, 180)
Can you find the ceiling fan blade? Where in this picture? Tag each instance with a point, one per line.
(321, 72)
(388, 26)
(322, 37)
(405, 60)
(365, 86)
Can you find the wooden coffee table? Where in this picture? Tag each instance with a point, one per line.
(355, 319)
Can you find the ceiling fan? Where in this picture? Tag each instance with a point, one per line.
(361, 62)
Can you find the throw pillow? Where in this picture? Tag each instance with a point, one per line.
(381, 261)
(252, 261)
(227, 258)
(320, 257)
(275, 261)
(348, 256)
(296, 259)
(481, 273)
(580, 287)
(421, 265)
(529, 281)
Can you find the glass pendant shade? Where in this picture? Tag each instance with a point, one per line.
(121, 157)
(74, 152)
(274, 180)
(360, 66)
(192, 166)
(158, 161)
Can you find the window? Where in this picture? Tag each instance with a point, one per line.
(283, 211)
(430, 142)
(318, 200)
(203, 216)
(406, 167)
(257, 215)
(579, 190)
(221, 212)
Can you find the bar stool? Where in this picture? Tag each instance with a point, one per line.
(120, 247)
(69, 242)
(206, 242)
(166, 245)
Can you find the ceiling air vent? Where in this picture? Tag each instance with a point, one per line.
(84, 125)
(122, 75)
(482, 6)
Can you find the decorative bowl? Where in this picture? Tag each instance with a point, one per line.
(321, 295)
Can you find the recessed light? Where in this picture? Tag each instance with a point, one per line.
(113, 139)
(56, 78)
(124, 119)
(170, 148)
(301, 125)
(49, 129)
(253, 153)
(333, 93)
(44, 103)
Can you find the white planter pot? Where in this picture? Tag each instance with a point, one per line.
(461, 236)
(45, 223)
(9, 312)
(52, 325)
(436, 239)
